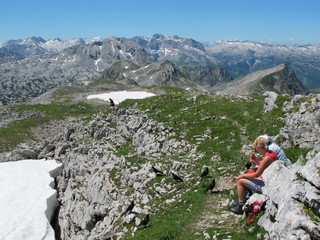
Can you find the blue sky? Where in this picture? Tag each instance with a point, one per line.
(276, 21)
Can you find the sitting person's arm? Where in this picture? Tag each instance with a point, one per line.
(254, 159)
(266, 161)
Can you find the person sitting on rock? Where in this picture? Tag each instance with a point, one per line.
(252, 180)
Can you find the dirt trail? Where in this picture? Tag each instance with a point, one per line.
(217, 213)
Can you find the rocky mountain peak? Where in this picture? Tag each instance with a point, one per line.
(174, 41)
(180, 51)
(34, 40)
(158, 36)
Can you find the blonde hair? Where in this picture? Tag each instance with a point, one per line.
(260, 142)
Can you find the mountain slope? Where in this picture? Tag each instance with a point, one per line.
(206, 76)
(162, 73)
(52, 65)
(280, 79)
(33, 76)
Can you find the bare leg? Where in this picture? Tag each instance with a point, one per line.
(242, 188)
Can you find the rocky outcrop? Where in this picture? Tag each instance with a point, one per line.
(293, 206)
(302, 121)
(97, 184)
(107, 163)
(270, 101)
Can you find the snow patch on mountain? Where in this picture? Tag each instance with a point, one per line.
(28, 200)
(57, 45)
(120, 96)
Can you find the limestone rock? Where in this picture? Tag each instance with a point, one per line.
(270, 100)
(290, 196)
(302, 127)
(96, 185)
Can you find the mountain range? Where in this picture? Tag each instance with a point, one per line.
(14, 50)
(245, 57)
(33, 66)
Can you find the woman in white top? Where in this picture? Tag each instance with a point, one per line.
(275, 148)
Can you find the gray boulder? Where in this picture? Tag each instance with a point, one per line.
(269, 102)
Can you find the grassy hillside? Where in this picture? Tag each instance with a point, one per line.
(218, 125)
(227, 124)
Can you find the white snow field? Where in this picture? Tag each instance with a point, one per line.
(28, 200)
(120, 96)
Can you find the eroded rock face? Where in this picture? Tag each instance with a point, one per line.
(107, 163)
(302, 121)
(100, 179)
(302, 127)
(293, 191)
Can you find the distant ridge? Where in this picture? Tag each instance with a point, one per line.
(14, 50)
(280, 79)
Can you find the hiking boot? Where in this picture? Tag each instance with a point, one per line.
(237, 209)
(236, 202)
